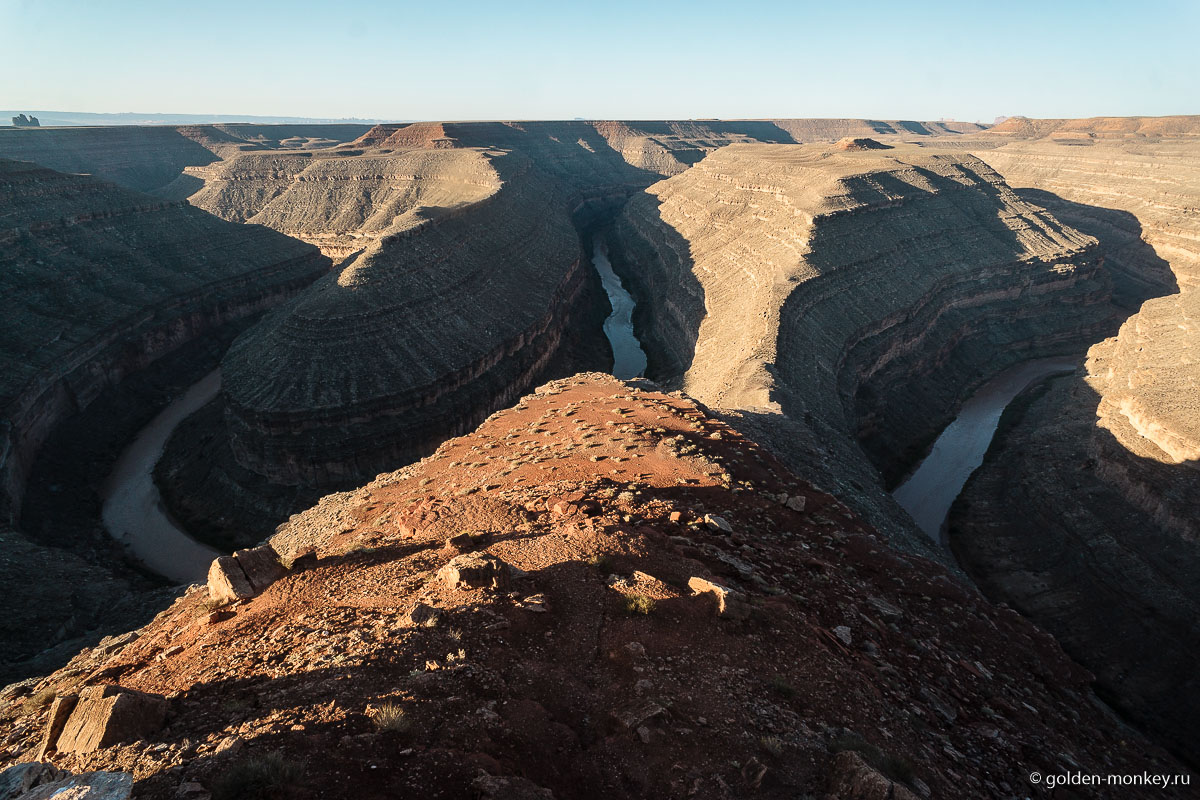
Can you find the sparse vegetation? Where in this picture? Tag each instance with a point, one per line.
(639, 604)
(773, 745)
(455, 634)
(391, 717)
(781, 687)
(601, 562)
(893, 766)
(38, 701)
(263, 778)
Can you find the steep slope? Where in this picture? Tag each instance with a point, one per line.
(1105, 464)
(96, 284)
(862, 291)
(644, 618)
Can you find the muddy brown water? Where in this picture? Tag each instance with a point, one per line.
(931, 489)
(629, 360)
(133, 511)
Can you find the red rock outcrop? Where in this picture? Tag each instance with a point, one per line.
(591, 669)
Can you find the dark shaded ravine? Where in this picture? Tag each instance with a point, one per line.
(133, 511)
(629, 359)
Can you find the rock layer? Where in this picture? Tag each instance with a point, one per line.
(862, 291)
(1104, 466)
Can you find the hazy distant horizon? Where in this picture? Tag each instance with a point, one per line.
(535, 60)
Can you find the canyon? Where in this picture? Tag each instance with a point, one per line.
(812, 302)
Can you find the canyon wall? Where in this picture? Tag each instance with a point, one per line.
(860, 292)
(97, 283)
(420, 337)
(1104, 465)
(152, 158)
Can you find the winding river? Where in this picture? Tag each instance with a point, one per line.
(629, 360)
(931, 489)
(133, 510)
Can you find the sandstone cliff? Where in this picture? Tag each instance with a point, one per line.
(860, 291)
(96, 283)
(1104, 465)
(602, 592)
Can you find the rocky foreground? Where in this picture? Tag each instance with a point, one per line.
(602, 592)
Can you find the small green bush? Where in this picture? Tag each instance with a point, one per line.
(639, 604)
(263, 778)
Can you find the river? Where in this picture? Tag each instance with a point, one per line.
(931, 489)
(133, 510)
(629, 360)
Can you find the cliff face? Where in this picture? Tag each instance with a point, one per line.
(150, 274)
(602, 592)
(1104, 465)
(418, 338)
(96, 284)
(862, 291)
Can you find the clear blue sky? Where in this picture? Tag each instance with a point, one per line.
(460, 59)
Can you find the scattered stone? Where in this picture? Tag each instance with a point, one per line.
(490, 787)
(843, 633)
(20, 778)
(107, 715)
(717, 523)
(86, 786)
(795, 503)
(729, 602)
(475, 571)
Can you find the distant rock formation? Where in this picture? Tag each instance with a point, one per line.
(23, 121)
(858, 291)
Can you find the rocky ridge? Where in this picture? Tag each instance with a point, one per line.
(603, 591)
(855, 291)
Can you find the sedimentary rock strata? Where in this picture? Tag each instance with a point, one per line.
(860, 289)
(1104, 465)
(153, 158)
(847, 665)
(421, 336)
(342, 204)
(98, 282)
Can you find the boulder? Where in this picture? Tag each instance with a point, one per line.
(718, 523)
(86, 786)
(60, 711)
(475, 571)
(106, 715)
(261, 565)
(20, 778)
(730, 603)
(795, 502)
(227, 581)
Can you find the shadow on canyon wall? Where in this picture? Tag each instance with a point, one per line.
(1065, 524)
